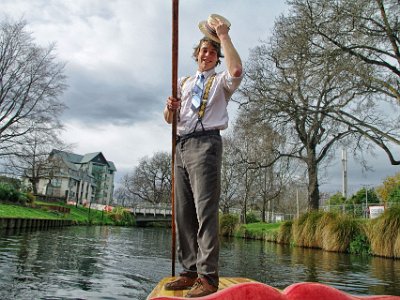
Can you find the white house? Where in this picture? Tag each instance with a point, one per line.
(79, 178)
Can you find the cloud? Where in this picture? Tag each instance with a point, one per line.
(118, 63)
(98, 98)
(124, 145)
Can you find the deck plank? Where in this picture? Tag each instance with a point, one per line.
(160, 291)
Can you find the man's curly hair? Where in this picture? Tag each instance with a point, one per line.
(216, 45)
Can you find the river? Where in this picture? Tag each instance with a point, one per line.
(126, 263)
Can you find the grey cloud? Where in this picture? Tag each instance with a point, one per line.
(92, 99)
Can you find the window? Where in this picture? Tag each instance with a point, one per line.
(56, 182)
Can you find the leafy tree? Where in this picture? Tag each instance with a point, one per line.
(395, 195)
(363, 196)
(389, 190)
(336, 199)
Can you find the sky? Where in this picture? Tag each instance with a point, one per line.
(118, 66)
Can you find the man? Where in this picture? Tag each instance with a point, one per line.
(201, 114)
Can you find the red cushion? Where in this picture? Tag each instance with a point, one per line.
(297, 291)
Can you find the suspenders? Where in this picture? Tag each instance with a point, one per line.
(205, 97)
(206, 92)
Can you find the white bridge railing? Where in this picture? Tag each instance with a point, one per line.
(154, 211)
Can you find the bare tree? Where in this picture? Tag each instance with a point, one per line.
(249, 152)
(122, 197)
(270, 173)
(246, 174)
(304, 91)
(30, 83)
(229, 176)
(367, 32)
(151, 180)
(30, 159)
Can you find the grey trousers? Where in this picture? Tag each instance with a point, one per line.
(197, 191)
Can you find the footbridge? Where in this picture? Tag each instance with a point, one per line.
(146, 214)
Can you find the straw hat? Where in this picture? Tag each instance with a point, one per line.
(207, 27)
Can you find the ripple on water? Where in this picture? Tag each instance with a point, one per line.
(126, 263)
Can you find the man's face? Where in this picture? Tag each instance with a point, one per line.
(207, 57)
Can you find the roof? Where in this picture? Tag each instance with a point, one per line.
(72, 159)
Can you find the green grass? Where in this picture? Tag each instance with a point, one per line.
(16, 211)
(80, 215)
(267, 231)
(263, 227)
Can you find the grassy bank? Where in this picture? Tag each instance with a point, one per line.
(259, 231)
(79, 215)
(330, 232)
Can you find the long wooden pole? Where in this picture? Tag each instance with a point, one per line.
(175, 18)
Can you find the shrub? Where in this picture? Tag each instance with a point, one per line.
(13, 182)
(26, 199)
(360, 244)
(8, 193)
(285, 233)
(329, 231)
(121, 217)
(304, 229)
(384, 233)
(227, 224)
(340, 232)
(251, 218)
(326, 219)
(31, 198)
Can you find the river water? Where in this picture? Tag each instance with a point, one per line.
(126, 263)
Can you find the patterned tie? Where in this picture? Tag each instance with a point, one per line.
(197, 92)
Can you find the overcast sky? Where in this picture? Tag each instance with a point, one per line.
(118, 55)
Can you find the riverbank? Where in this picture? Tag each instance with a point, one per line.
(62, 212)
(322, 230)
(332, 232)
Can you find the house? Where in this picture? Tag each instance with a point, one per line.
(83, 179)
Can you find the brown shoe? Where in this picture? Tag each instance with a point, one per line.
(201, 288)
(180, 283)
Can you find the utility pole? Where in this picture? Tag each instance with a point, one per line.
(366, 202)
(344, 165)
(297, 202)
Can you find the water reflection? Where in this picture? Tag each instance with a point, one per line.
(126, 263)
(280, 266)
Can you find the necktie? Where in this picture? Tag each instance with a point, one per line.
(197, 92)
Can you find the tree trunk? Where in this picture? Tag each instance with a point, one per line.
(313, 186)
(34, 183)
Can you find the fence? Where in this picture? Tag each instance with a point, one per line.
(270, 216)
(356, 210)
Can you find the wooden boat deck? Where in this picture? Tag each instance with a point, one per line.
(224, 282)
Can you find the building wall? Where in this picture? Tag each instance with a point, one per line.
(83, 182)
